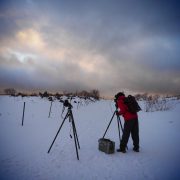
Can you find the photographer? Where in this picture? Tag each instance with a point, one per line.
(130, 124)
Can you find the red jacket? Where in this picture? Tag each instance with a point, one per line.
(124, 109)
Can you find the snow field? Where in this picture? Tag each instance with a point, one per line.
(23, 152)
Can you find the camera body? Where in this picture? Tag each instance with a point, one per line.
(67, 104)
(115, 100)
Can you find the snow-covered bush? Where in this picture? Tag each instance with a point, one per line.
(157, 103)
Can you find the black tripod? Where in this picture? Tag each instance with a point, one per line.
(119, 125)
(71, 119)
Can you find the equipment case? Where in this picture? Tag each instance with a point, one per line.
(106, 145)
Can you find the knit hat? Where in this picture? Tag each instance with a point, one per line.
(119, 94)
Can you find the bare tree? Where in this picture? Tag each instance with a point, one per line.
(95, 94)
(10, 91)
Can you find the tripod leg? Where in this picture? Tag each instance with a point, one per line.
(75, 139)
(58, 131)
(119, 131)
(74, 127)
(76, 135)
(120, 123)
(109, 124)
(122, 128)
(50, 110)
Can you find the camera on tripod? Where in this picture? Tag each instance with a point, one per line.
(106, 145)
(67, 104)
(115, 100)
(69, 115)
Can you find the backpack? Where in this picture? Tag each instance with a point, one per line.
(132, 104)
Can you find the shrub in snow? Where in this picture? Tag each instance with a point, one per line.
(156, 103)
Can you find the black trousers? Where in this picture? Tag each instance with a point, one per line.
(130, 127)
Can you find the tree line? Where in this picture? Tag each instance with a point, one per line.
(84, 94)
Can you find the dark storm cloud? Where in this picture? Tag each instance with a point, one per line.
(112, 26)
(137, 42)
(154, 17)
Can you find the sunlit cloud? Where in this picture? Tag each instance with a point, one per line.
(30, 38)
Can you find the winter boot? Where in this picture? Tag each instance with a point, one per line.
(121, 149)
(136, 149)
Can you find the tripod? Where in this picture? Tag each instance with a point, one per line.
(119, 125)
(71, 119)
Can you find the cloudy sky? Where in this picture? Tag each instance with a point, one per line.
(73, 45)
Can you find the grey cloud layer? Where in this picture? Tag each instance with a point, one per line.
(138, 43)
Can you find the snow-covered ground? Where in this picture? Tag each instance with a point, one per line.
(23, 149)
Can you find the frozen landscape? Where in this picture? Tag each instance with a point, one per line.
(23, 149)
